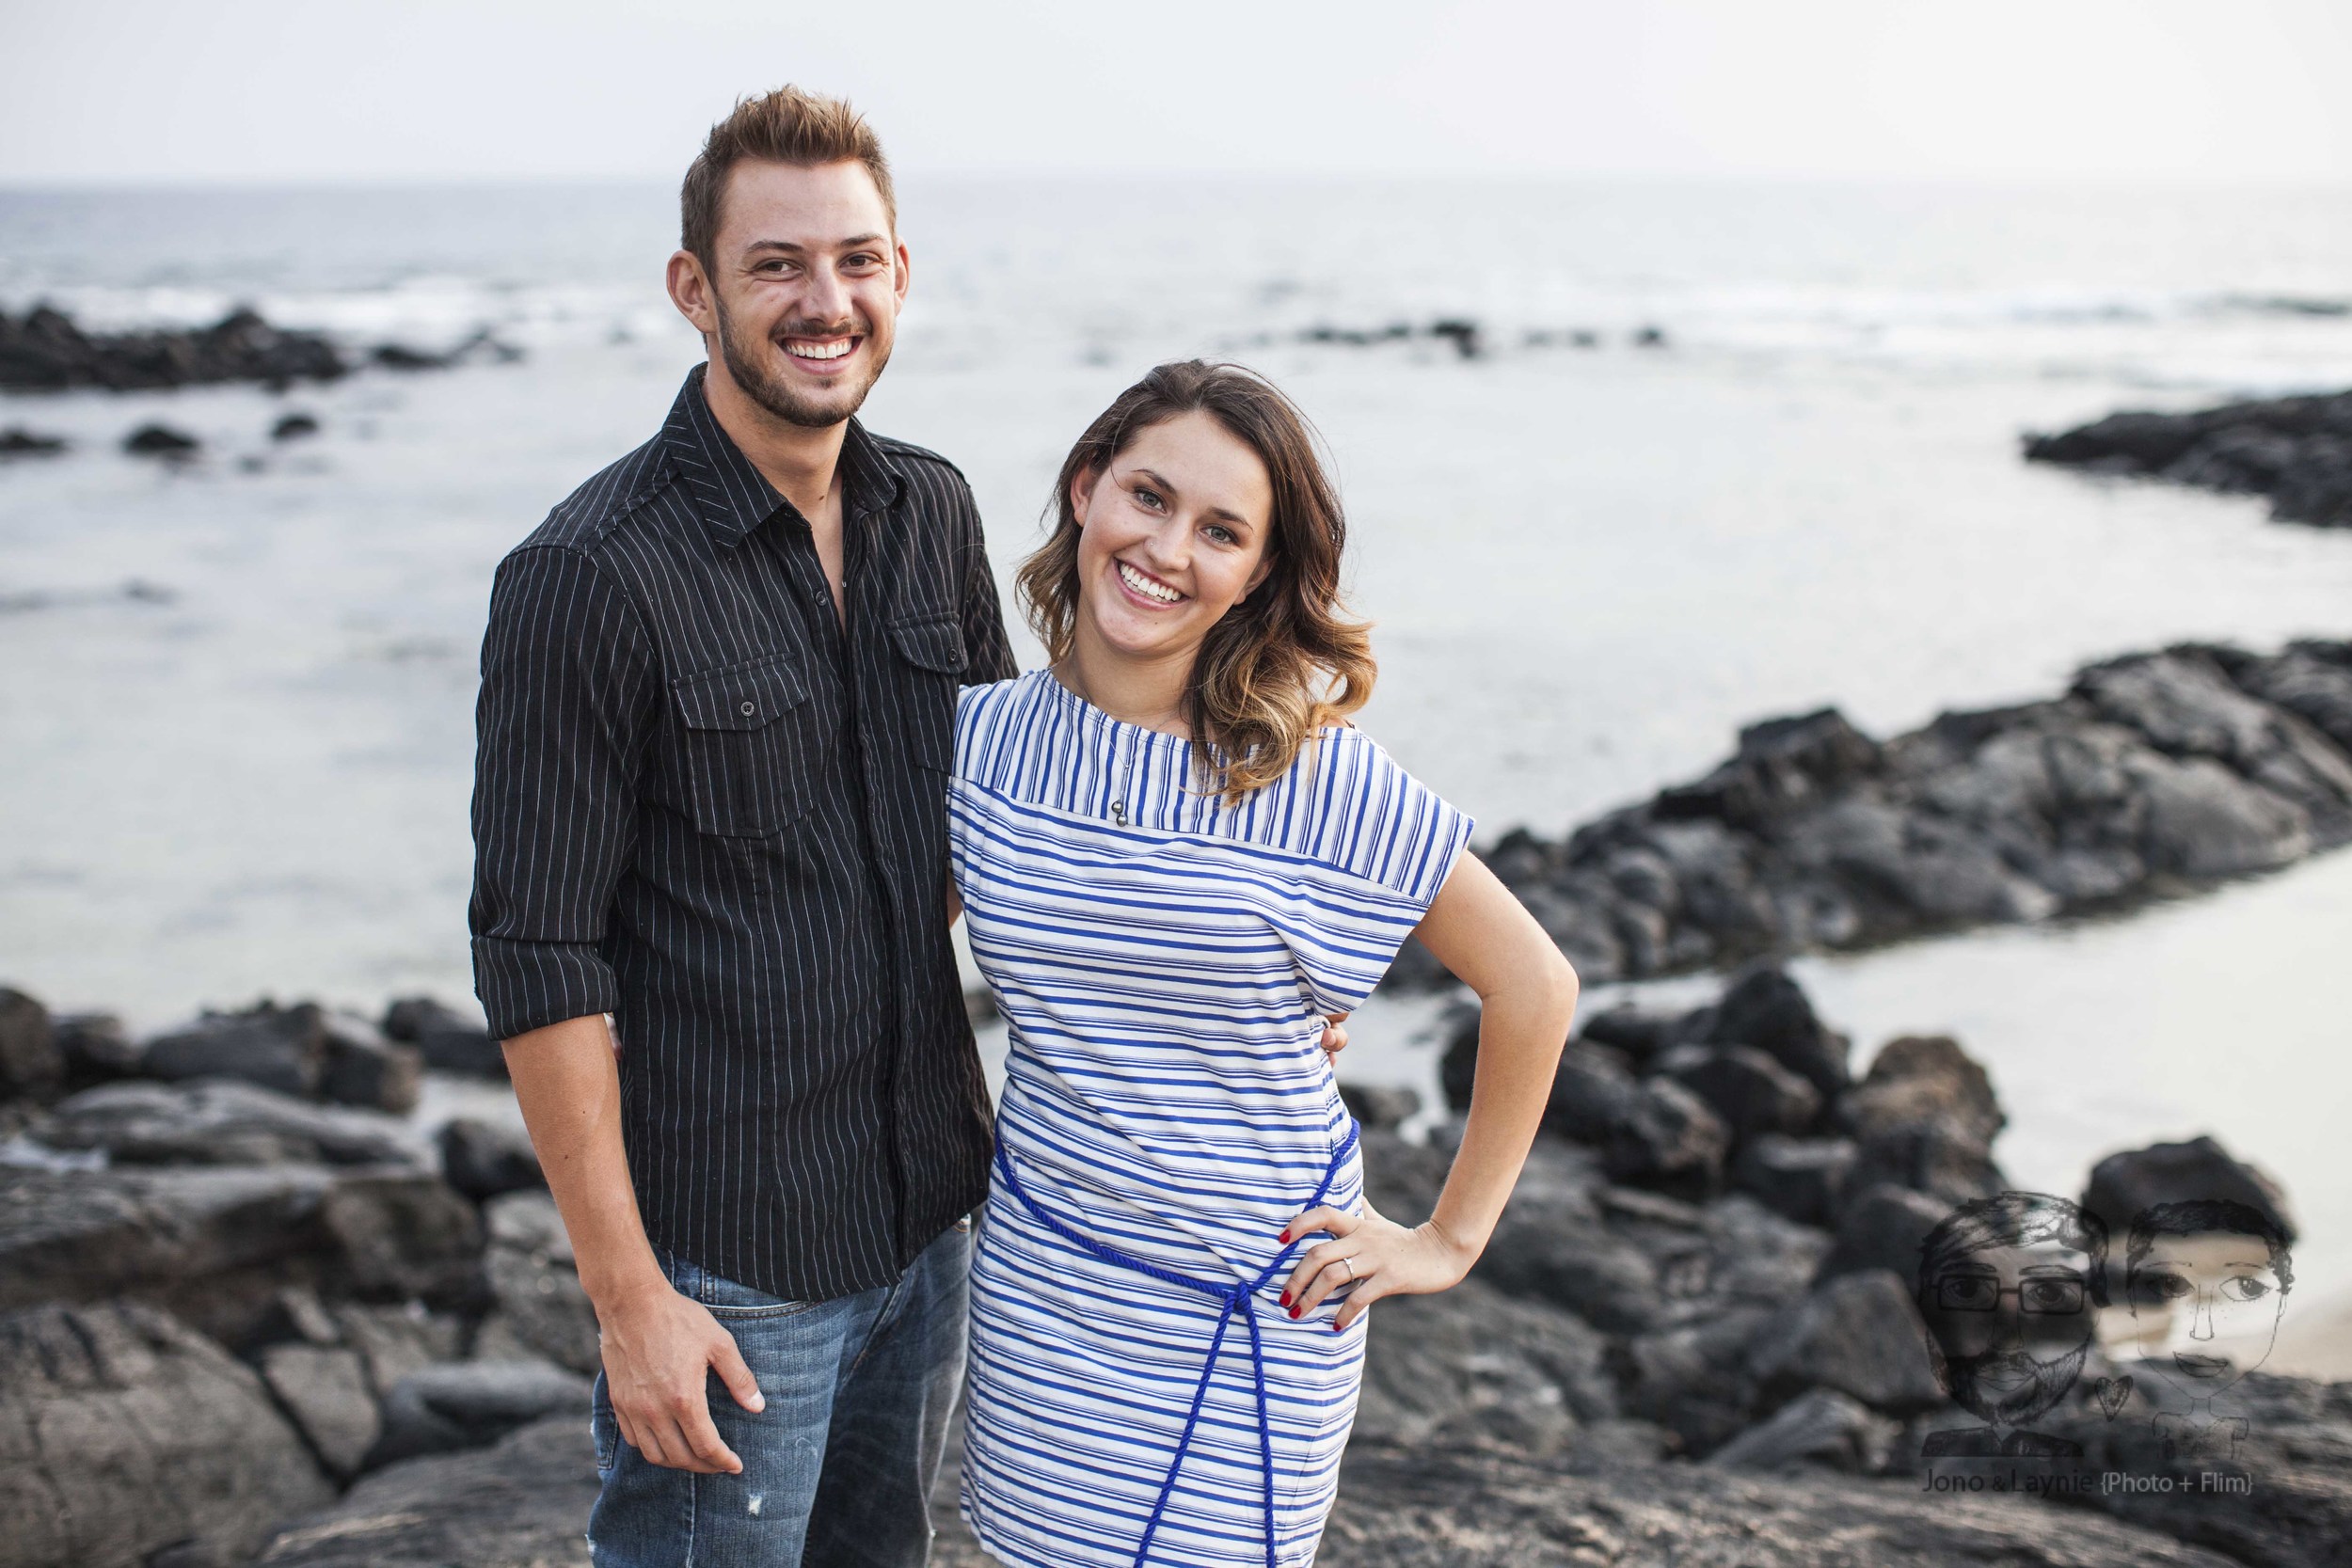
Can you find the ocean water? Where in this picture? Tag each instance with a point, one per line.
(1588, 564)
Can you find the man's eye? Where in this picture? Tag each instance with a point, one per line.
(2244, 1288)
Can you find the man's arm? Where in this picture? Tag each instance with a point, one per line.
(658, 1346)
(570, 695)
(987, 651)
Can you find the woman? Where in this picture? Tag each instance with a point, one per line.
(1176, 857)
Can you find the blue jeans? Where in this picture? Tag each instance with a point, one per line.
(837, 1469)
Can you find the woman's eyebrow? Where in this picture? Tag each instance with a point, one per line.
(1159, 482)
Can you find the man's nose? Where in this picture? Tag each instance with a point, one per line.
(826, 298)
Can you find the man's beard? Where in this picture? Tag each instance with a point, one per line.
(746, 361)
(2045, 1387)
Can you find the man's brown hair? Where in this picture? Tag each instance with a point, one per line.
(787, 126)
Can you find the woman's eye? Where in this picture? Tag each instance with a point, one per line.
(2160, 1287)
(2244, 1288)
(1222, 535)
(1148, 497)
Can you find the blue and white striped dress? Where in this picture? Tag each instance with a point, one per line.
(1164, 960)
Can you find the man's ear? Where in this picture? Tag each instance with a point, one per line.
(690, 292)
(906, 264)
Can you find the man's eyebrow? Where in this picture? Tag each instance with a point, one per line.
(853, 243)
(1225, 512)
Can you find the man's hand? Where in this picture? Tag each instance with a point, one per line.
(659, 1350)
(1334, 1034)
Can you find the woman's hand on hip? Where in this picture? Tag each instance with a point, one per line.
(1375, 1256)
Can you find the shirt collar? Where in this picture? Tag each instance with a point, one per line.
(734, 498)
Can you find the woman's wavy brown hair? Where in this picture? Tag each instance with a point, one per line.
(1287, 659)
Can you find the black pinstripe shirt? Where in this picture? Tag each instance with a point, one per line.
(702, 805)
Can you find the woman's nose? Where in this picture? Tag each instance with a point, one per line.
(2200, 1326)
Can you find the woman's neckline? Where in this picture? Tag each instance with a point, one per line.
(1085, 705)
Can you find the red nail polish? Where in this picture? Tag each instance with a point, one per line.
(1285, 1236)
(1284, 1298)
(1293, 1312)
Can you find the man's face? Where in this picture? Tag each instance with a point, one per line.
(2014, 1324)
(801, 301)
(2204, 1308)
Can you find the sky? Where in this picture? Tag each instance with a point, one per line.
(2180, 92)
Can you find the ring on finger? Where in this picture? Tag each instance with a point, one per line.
(1351, 1270)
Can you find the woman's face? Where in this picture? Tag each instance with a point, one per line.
(2205, 1307)
(1171, 536)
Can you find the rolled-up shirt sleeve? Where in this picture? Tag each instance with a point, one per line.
(568, 705)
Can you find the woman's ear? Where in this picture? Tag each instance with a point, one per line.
(1082, 491)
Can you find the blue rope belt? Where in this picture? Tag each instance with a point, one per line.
(1236, 1299)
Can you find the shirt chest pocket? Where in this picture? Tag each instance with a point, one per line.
(750, 753)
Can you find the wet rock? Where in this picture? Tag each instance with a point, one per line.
(327, 1395)
(278, 1048)
(2285, 1499)
(1817, 1427)
(450, 1043)
(1636, 1034)
(469, 1404)
(293, 426)
(1881, 1227)
(2296, 451)
(1918, 1079)
(1474, 1363)
(2151, 774)
(31, 1065)
(1462, 334)
(1694, 1379)
(45, 351)
(1749, 1090)
(392, 1341)
(1420, 1507)
(363, 1068)
(224, 1122)
(95, 1049)
(161, 440)
(1859, 1334)
(480, 348)
(1667, 1138)
(522, 1503)
(482, 1161)
(216, 1244)
(1770, 1011)
(1800, 1179)
(2200, 1170)
(1381, 1105)
(17, 442)
(540, 1308)
(123, 1433)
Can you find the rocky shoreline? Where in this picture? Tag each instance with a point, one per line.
(2153, 773)
(45, 351)
(237, 1282)
(2296, 451)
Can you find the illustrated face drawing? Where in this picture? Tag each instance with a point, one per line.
(2010, 1287)
(2206, 1283)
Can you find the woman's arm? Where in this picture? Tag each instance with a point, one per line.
(1526, 994)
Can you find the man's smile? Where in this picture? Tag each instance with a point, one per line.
(815, 352)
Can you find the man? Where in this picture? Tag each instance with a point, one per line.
(716, 721)
(2008, 1287)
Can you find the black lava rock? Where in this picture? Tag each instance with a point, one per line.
(449, 1042)
(161, 440)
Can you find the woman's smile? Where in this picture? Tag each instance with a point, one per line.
(1142, 585)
